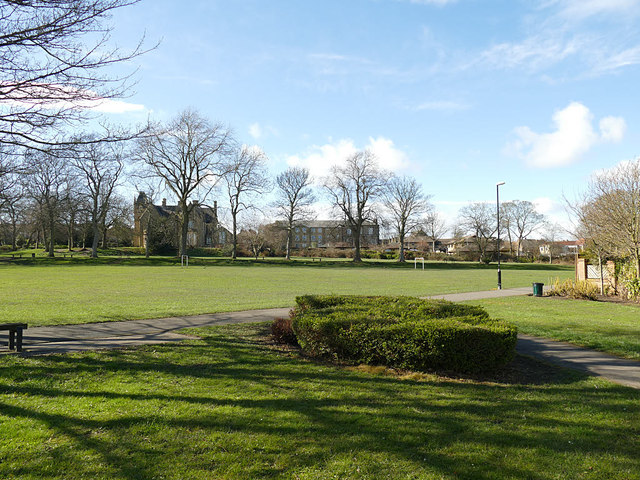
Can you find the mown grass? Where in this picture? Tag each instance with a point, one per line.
(230, 407)
(64, 291)
(609, 327)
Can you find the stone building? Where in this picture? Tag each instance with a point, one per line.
(334, 234)
(204, 228)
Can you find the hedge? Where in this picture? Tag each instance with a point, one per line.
(402, 332)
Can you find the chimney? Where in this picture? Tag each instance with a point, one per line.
(164, 202)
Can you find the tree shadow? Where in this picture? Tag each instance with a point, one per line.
(230, 399)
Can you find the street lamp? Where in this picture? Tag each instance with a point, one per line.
(498, 215)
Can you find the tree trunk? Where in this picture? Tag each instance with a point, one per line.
(184, 229)
(356, 245)
(14, 231)
(401, 258)
(289, 235)
(70, 231)
(96, 239)
(52, 233)
(234, 252)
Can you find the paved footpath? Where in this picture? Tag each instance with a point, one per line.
(75, 338)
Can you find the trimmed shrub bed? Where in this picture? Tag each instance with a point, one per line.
(402, 332)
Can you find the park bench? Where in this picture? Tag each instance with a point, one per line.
(15, 334)
(313, 259)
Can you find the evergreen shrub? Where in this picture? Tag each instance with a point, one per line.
(402, 332)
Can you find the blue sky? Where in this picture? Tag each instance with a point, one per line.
(460, 94)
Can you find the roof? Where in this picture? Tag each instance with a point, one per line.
(330, 224)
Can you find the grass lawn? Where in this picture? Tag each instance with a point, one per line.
(228, 406)
(48, 292)
(608, 327)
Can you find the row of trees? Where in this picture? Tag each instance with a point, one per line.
(46, 189)
(518, 220)
(192, 157)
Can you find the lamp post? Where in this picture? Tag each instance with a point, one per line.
(498, 216)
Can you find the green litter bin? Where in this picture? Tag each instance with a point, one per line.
(537, 289)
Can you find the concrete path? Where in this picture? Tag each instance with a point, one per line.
(461, 297)
(75, 338)
(616, 369)
(92, 336)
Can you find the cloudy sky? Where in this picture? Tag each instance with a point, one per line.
(460, 94)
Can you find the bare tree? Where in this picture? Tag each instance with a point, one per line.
(522, 219)
(435, 227)
(187, 154)
(405, 203)
(552, 232)
(53, 61)
(253, 234)
(294, 197)
(74, 203)
(612, 204)
(46, 183)
(352, 190)
(12, 207)
(117, 222)
(479, 220)
(99, 166)
(245, 178)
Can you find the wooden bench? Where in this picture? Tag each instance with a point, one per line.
(15, 334)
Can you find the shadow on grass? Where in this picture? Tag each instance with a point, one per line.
(229, 401)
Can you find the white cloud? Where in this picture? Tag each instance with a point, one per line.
(534, 53)
(612, 129)
(258, 131)
(580, 9)
(255, 130)
(573, 136)
(57, 97)
(320, 158)
(115, 106)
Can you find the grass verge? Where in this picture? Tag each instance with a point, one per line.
(82, 290)
(608, 327)
(229, 406)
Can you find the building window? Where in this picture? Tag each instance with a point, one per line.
(297, 237)
(304, 245)
(313, 238)
(370, 230)
(313, 230)
(304, 237)
(304, 229)
(348, 231)
(319, 238)
(297, 229)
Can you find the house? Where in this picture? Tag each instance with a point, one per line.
(204, 228)
(416, 242)
(563, 248)
(461, 246)
(333, 234)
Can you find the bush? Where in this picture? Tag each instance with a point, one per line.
(402, 332)
(580, 289)
(282, 331)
